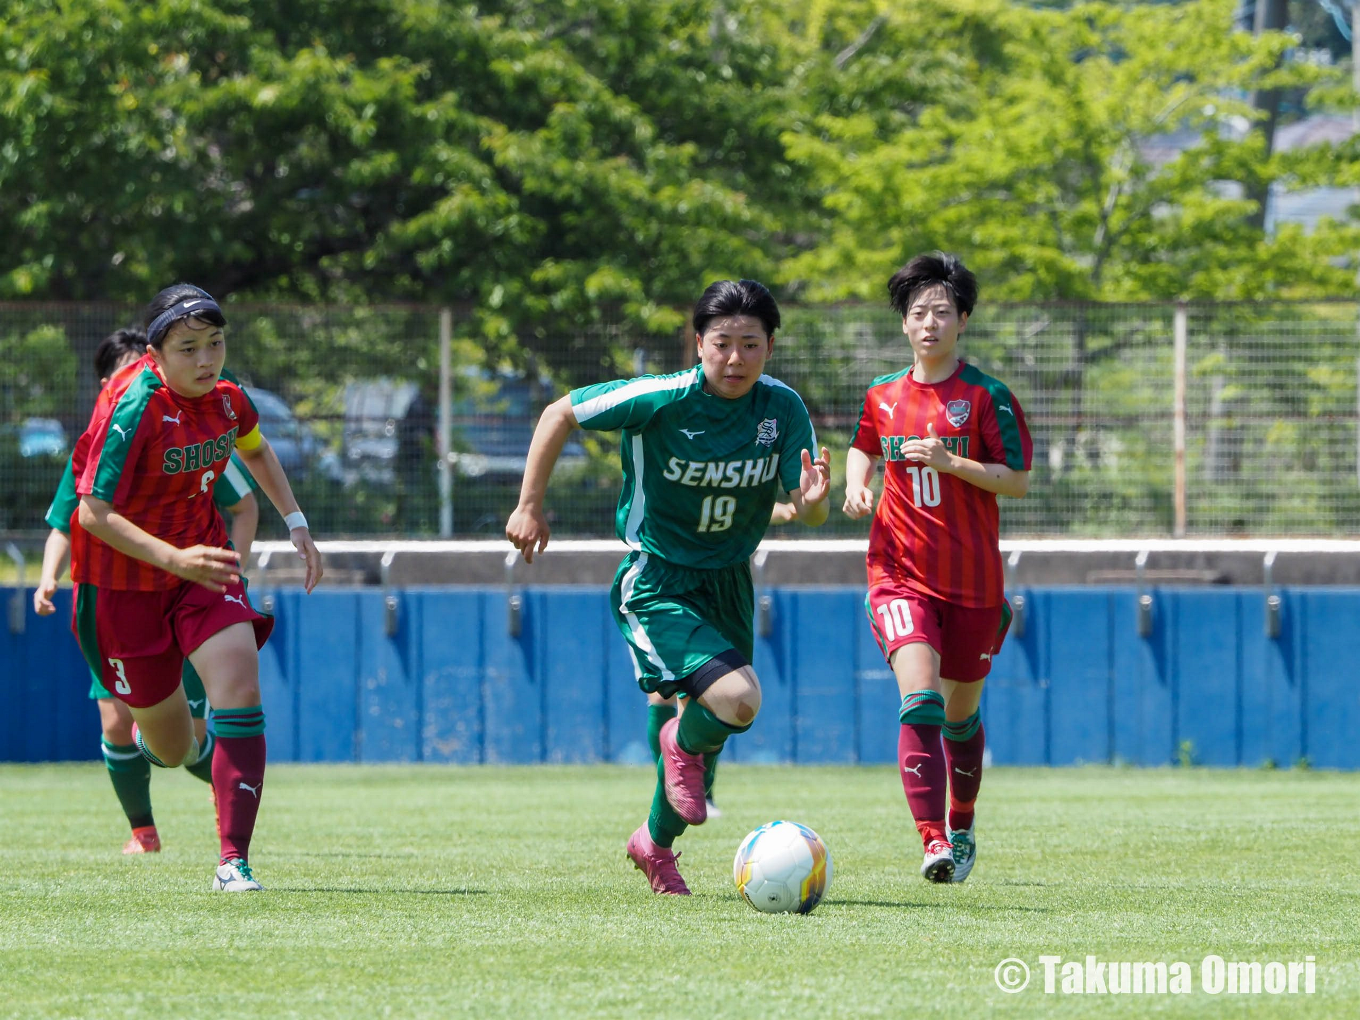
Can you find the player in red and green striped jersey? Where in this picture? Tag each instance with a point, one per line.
(233, 493)
(155, 580)
(953, 440)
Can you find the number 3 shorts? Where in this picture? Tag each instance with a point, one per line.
(135, 641)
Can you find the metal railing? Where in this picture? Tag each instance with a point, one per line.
(1234, 419)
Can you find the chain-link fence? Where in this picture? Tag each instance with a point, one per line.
(350, 399)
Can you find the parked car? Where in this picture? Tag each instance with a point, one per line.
(42, 437)
(494, 423)
(493, 419)
(293, 441)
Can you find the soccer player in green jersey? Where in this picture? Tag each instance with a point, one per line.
(234, 495)
(705, 454)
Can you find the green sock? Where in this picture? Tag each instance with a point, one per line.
(657, 717)
(710, 772)
(130, 774)
(702, 732)
(202, 769)
(663, 824)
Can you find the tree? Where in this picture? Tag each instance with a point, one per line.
(1043, 170)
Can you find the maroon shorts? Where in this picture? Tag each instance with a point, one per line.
(966, 638)
(136, 641)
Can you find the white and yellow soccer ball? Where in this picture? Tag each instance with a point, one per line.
(782, 867)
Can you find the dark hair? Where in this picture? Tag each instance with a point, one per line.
(937, 268)
(171, 296)
(114, 347)
(737, 297)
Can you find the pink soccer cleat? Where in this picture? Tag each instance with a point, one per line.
(656, 862)
(684, 776)
(144, 841)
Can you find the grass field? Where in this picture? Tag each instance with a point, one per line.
(504, 892)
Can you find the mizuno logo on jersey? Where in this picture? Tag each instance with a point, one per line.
(691, 435)
(198, 455)
(717, 474)
(895, 447)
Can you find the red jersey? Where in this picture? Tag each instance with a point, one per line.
(935, 532)
(153, 455)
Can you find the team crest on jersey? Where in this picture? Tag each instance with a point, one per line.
(226, 406)
(767, 432)
(957, 412)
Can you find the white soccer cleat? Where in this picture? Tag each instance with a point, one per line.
(235, 876)
(965, 852)
(939, 863)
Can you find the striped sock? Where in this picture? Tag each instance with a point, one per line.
(964, 742)
(202, 768)
(238, 776)
(921, 762)
(130, 774)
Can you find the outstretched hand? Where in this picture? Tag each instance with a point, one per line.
(527, 528)
(815, 482)
(309, 554)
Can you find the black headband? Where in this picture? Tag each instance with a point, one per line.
(201, 306)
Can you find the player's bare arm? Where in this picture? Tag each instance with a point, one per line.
(527, 529)
(859, 498)
(809, 499)
(997, 478)
(245, 522)
(54, 561)
(263, 464)
(783, 513)
(206, 565)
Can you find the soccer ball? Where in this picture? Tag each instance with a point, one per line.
(782, 867)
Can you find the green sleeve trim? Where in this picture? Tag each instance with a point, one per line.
(234, 484)
(1006, 421)
(127, 415)
(66, 500)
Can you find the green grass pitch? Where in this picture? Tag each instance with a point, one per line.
(504, 892)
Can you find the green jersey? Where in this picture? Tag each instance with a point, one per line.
(232, 486)
(700, 472)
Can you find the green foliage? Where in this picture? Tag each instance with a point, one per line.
(1040, 164)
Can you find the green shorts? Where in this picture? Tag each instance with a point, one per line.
(193, 690)
(675, 619)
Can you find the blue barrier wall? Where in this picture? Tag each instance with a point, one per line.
(452, 684)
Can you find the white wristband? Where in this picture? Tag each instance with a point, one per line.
(295, 520)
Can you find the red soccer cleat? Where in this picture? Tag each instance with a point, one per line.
(656, 862)
(144, 841)
(684, 776)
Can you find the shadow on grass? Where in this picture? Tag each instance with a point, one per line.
(930, 906)
(380, 892)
